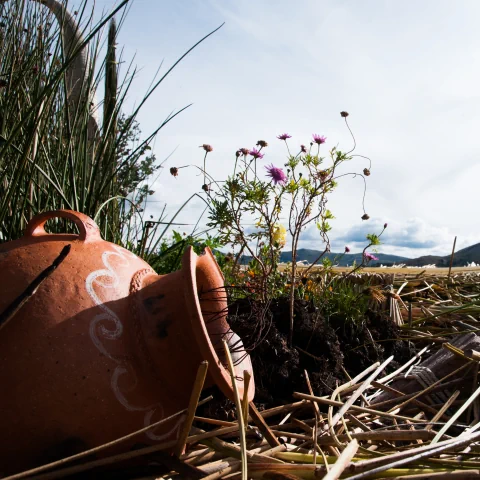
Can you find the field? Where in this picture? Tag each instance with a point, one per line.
(407, 271)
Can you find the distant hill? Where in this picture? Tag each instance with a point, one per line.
(462, 258)
(343, 261)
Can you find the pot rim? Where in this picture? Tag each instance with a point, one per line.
(218, 371)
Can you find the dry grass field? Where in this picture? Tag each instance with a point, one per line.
(401, 271)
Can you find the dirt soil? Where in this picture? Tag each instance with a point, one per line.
(325, 350)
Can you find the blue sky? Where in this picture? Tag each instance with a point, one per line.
(407, 72)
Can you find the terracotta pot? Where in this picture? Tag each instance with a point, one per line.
(105, 346)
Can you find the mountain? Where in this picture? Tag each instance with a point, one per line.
(343, 261)
(461, 258)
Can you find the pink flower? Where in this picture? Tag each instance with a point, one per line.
(303, 148)
(255, 153)
(277, 174)
(244, 151)
(319, 139)
(369, 256)
(284, 136)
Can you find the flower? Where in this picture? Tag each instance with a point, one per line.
(262, 144)
(303, 148)
(344, 114)
(385, 226)
(365, 216)
(255, 153)
(319, 139)
(347, 250)
(279, 234)
(244, 151)
(207, 148)
(174, 171)
(284, 136)
(369, 256)
(366, 172)
(206, 187)
(277, 174)
(238, 153)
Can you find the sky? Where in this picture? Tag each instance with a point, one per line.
(408, 73)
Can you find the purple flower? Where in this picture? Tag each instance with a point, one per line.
(303, 148)
(319, 139)
(347, 250)
(284, 136)
(369, 256)
(277, 174)
(244, 151)
(255, 153)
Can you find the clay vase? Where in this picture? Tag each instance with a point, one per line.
(105, 346)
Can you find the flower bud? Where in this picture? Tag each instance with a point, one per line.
(174, 171)
(207, 148)
(344, 114)
(365, 217)
(366, 172)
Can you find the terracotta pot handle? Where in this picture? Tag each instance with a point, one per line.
(87, 227)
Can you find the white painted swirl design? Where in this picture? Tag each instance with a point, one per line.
(108, 326)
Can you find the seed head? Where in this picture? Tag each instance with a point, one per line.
(365, 216)
(206, 187)
(344, 114)
(207, 148)
(366, 172)
(244, 151)
(174, 171)
(262, 144)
